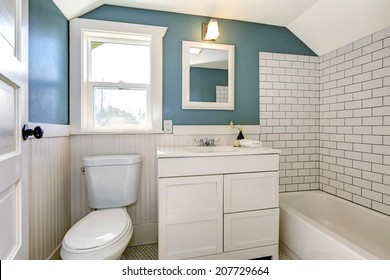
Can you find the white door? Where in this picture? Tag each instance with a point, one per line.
(13, 113)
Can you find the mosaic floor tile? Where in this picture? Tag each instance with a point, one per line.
(150, 252)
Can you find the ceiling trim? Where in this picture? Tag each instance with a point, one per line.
(323, 25)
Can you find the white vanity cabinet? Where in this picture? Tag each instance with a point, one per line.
(218, 205)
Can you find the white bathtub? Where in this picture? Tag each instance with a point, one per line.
(315, 225)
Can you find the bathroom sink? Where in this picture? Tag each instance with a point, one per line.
(213, 149)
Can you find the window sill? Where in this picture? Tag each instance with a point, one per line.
(119, 132)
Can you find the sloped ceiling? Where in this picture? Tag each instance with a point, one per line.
(323, 25)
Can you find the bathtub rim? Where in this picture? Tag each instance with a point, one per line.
(321, 192)
(317, 226)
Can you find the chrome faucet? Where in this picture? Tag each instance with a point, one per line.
(209, 142)
(206, 142)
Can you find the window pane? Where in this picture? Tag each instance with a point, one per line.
(114, 62)
(120, 107)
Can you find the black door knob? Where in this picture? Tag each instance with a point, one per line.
(37, 132)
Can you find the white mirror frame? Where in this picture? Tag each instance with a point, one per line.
(186, 103)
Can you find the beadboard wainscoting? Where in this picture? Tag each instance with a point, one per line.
(48, 161)
(144, 212)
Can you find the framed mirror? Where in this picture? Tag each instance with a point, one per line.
(208, 76)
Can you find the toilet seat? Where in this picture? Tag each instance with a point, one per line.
(98, 231)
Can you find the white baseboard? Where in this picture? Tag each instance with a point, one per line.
(144, 234)
(56, 254)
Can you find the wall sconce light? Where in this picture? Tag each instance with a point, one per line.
(210, 31)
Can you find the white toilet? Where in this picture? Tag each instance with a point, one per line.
(112, 183)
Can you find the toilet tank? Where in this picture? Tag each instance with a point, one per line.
(112, 180)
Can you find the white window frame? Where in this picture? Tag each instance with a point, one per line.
(81, 105)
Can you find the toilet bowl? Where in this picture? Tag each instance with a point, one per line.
(101, 235)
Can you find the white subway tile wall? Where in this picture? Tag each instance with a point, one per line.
(354, 122)
(289, 116)
(222, 94)
(331, 118)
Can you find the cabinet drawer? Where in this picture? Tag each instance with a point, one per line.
(193, 166)
(251, 191)
(192, 194)
(251, 229)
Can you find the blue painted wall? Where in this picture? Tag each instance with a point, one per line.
(204, 81)
(248, 38)
(48, 63)
(48, 84)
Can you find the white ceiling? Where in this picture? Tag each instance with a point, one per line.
(323, 25)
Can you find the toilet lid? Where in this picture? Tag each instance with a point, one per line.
(97, 229)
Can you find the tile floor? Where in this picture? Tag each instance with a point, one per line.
(149, 252)
(141, 252)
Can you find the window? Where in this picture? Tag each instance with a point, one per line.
(116, 77)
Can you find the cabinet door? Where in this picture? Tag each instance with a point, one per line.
(251, 229)
(190, 216)
(251, 191)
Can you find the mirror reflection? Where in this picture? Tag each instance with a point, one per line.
(208, 76)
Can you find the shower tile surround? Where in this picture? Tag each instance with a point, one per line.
(330, 116)
(289, 116)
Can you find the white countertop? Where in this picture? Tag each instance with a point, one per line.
(196, 151)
